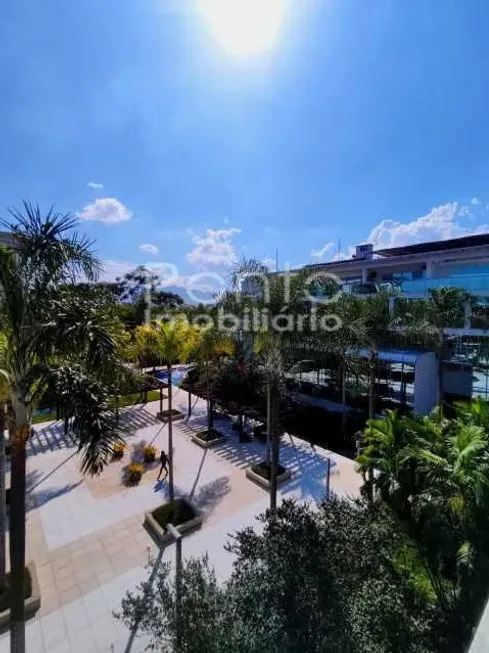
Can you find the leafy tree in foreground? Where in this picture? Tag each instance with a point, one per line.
(316, 581)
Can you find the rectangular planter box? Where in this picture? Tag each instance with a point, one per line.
(175, 417)
(207, 444)
(31, 605)
(166, 538)
(263, 482)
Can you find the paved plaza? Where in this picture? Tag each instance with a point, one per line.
(86, 535)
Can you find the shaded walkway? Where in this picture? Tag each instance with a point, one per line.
(309, 467)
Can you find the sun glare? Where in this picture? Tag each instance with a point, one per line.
(244, 26)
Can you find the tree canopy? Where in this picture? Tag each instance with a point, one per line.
(313, 580)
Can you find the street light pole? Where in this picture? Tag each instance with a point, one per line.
(328, 478)
(177, 536)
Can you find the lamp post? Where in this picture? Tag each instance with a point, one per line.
(328, 478)
(177, 536)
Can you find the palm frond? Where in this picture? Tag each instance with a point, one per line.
(94, 425)
(48, 248)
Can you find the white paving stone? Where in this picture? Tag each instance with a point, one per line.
(69, 511)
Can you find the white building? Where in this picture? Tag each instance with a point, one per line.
(410, 272)
(414, 269)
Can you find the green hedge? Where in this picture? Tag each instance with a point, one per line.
(124, 400)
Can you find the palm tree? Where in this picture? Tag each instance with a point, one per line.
(209, 346)
(52, 340)
(451, 515)
(434, 475)
(271, 354)
(274, 295)
(146, 343)
(388, 461)
(474, 412)
(364, 328)
(425, 321)
(175, 341)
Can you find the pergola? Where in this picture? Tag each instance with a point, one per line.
(154, 383)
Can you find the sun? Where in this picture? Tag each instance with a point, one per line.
(244, 26)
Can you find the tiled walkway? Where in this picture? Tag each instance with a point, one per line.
(86, 535)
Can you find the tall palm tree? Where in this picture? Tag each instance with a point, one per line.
(175, 341)
(271, 356)
(360, 317)
(209, 346)
(424, 322)
(52, 340)
(445, 308)
(257, 289)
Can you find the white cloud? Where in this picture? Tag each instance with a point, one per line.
(107, 210)
(270, 262)
(214, 248)
(340, 256)
(149, 248)
(324, 251)
(227, 220)
(439, 224)
(95, 185)
(475, 201)
(112, 270)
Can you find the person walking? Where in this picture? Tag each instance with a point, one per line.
(164, 463)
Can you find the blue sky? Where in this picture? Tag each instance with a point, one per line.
(366, 120)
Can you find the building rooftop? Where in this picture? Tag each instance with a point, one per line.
(466, 242)
(436, 246)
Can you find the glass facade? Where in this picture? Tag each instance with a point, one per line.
(394, 383)
(472, 278)
(475, 351)
(401, 277)
(472, 284)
